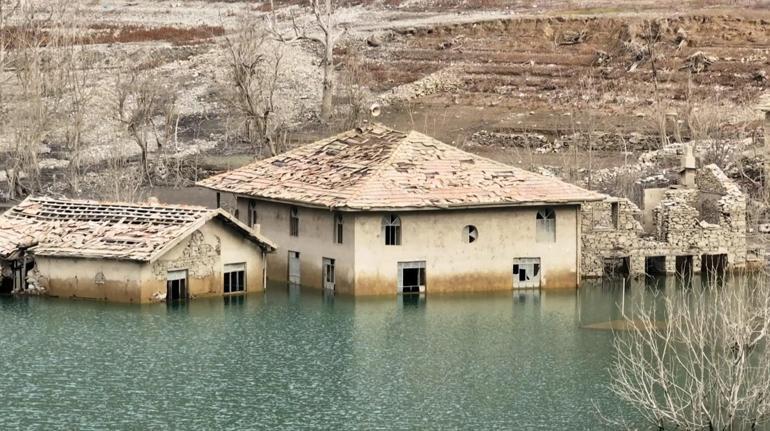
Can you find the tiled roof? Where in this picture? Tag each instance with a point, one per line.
(77, 228)
(379, 168)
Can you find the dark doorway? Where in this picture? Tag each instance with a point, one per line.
(411, 277)
(615, 267)
(176, 286)
(713, 264)
(655, 265)
(684, 267)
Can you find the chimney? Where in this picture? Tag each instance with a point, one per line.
(687, 172)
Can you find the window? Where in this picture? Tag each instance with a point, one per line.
(293, 221)
(235, 278)
(546, 225)
(176, 286)
(338, 228)
(615, 215)
(391, 224)
(252, 218)
(470, 234)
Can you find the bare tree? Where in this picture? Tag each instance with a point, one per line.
(707, 367)
(330, 32)
(139, 99)
(255, 67)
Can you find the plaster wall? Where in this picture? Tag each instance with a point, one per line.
(203, 254)
(108, 280)
(454, 265)
(314, 242)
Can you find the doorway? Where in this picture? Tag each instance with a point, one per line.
(294, 269)
(411, 277)
(328, 274)
(526, 273)
(176, 286)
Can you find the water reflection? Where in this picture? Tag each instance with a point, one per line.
(291, 358)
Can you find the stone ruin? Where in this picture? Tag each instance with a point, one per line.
(686, 228)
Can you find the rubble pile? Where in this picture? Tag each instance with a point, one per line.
(683, 225)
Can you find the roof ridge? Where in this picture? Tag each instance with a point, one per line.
(44, 199)
(359, 188)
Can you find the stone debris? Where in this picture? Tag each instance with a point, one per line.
(573, 37)
(710, 219)
(698, 62)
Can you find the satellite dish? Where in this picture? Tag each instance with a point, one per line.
(375, 110)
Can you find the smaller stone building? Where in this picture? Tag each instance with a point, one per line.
(681, 229)
(128, 252)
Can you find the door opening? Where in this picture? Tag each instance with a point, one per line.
(294, 270)
(411, 277)
(176, 286)
(526, 273)
(328, 274)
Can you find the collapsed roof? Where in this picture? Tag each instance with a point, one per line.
(377, 168)
(89, 229)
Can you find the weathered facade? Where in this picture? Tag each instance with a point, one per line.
(377, 211)
(132, 252)
(681, 229)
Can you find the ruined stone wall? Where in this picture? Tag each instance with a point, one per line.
(679, 227)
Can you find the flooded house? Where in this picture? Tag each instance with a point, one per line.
(695, 226)
(380, 211)
(128, 252)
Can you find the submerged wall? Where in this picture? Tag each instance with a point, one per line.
(453, 264)
(202, 254)
(707, 220)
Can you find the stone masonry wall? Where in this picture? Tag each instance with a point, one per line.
(679, 227)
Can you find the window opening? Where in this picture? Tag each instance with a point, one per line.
(392, 226)
(338, 228)
(470, 234)
(546, 225)
(234, 278)
(252, 213)
(293, 221)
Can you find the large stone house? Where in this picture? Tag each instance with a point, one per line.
(128, 252)
(379, 211)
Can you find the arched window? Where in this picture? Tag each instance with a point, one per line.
(470, 234)
(391, 225)
(546, 225)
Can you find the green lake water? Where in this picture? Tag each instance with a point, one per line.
(288, 359)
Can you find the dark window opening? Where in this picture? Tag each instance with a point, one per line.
(338, 228)
(293, 221)
(616, 267)
(234, 278)
(470, 233)
(655, 265)
(252, 219)
(392, 227)
(329, 276)
(546, 225)
(615, 214)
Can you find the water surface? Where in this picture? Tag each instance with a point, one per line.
(291, 359)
